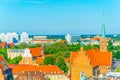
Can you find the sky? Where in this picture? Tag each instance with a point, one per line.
(59, 16)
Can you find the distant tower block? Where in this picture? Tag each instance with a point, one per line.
(68, 38)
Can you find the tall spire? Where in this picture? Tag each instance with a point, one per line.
(103, 28)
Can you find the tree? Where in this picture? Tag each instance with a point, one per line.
(87, 47)
(95, 46)
(117, 55)
(49, 60)
(15, 60)
(23, 45)
(118, 70)
(64, 54)
(110, 46)
(55, 48)
(3, 52)
(62, 65)
(74, 47)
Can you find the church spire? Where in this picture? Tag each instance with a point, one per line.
(103, 28)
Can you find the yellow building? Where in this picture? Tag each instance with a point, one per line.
(27, 58)
(5, 71)
(80, 63)
(50, 71)
(12, 53)
(1, 75)
(90, 62)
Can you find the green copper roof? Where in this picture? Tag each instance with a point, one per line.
(103, 28)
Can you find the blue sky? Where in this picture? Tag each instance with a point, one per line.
(59, 16)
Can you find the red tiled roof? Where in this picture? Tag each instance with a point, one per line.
(96, 58)
(73, 56)
(47, 69)
(11, 44)
(2, 44)
(39, 60)
(92, 58)
(63, 41)
(3, 63)
(36, 51)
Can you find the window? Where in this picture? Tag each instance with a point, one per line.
(20, 77)
(26, 61)
(5, 67)
(25, 77)
(3, 62)
(29, 77)
(34, 78)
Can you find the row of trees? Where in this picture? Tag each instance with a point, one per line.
(25, 45)
(62, 51)
(15, 60)
(59, 50)
(114, 49)
(59, 61)
(3, 52)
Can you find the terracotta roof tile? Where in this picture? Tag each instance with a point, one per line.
(2, 44)
(3, 63)
(11, 44)
(36, 51)
(96, 57)
(73, 56)
(39, 60)
(47, 69)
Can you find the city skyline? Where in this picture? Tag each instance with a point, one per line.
(59, 16)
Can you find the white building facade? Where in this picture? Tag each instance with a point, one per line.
(8, 37)
(12, 53)
(2, 37)
(24, 37)
(68, 38)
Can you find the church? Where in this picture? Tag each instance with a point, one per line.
(92, 62)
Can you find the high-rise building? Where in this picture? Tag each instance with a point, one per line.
(2, 37)
(75, 38)
(68, 38)
(24, 37)
(8, 38)
(15, 37)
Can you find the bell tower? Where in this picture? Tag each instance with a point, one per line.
(103, 40)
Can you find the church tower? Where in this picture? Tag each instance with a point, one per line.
(103, 41)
